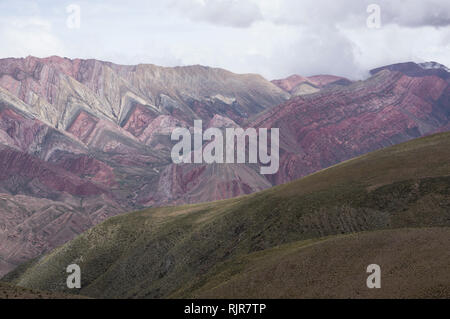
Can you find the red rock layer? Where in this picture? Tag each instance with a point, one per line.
(335, 125)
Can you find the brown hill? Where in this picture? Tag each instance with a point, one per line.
(336, 268)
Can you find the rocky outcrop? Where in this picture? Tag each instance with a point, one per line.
(317, 131)
(59, 87)
(298, 85)
(30, 225)
(83, 140)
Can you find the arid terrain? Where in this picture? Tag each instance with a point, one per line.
(8, 291)
(313, 237)
(85, 140)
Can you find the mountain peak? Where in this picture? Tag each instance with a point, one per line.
(433, 66)
(300, 85)
(416, 69)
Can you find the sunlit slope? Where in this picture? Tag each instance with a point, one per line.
(163, 251)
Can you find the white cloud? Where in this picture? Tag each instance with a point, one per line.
(275, 38)
(393, 44)
(22, 36)
(233, 13)
(411, 13)
(417, 13)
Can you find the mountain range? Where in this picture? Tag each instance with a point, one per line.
(311, 238)
(85, 140)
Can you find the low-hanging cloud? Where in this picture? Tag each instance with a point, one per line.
(416, 13)
(232, 13)
(243, 13)
(411, 13)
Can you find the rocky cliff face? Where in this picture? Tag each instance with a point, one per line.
(397, 103)
(56, 89)
(298, 85)
(83, 140)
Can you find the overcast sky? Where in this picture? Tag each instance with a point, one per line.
(275, 38)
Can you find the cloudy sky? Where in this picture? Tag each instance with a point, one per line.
(275, 38)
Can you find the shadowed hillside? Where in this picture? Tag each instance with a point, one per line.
(8, 291)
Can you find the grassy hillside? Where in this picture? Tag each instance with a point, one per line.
(414, 264)
(8, 291)
(163, 252)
